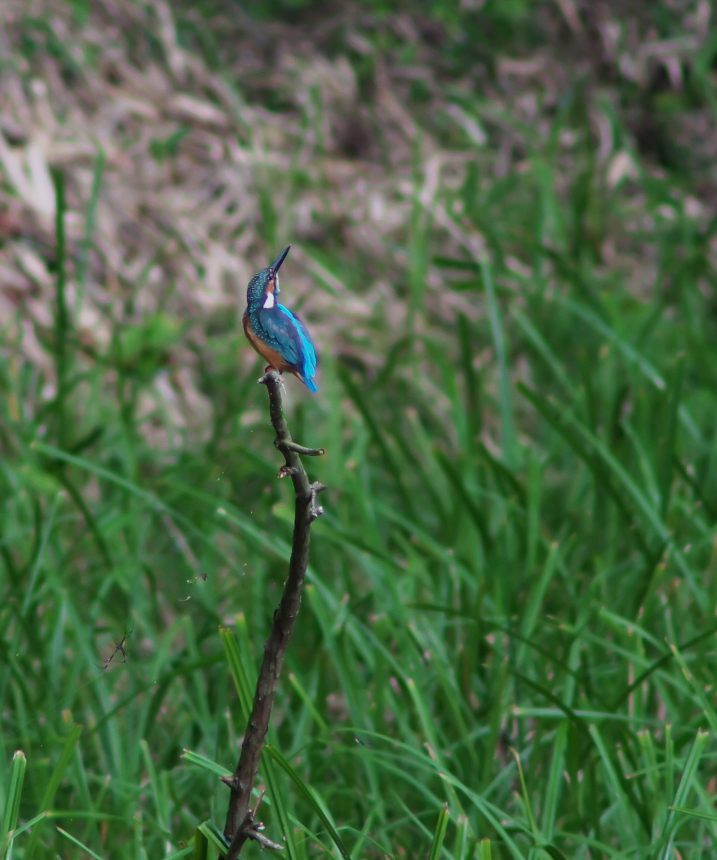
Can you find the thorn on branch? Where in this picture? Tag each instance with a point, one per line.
(256, 806)
(253, 828)
(286, 472)
(315, 510)
(264, 841)
(250, 828)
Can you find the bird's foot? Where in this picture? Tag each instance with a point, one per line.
(268, 376)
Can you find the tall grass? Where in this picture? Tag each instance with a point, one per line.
(506, 648)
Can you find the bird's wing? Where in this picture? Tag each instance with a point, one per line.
(288, 335)
(308, 351)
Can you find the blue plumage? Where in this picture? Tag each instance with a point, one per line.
(306, 352)
(279, 336)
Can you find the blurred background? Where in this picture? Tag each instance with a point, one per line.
(502, 216)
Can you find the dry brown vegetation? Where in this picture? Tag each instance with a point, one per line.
(202, 181)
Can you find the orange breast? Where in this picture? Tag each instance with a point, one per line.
(271, 356)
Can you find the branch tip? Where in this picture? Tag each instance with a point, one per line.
(287, 445)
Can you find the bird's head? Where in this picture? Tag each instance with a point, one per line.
(263, 288)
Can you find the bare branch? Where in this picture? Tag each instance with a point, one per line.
(241, 817)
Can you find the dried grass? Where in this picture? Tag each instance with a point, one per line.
(185, 233)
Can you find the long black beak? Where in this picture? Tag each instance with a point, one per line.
(280, 259)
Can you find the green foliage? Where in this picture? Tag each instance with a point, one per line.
(143, 349)
(507, 643)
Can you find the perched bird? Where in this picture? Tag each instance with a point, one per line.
(275, 333)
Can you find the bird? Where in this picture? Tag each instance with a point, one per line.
(279, 336)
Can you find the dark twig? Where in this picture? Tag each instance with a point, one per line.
(241, 817)
(120, 648)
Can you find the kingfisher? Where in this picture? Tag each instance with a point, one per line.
(275, 333)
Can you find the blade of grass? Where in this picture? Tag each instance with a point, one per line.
(510, 444)
(205, 763)
(214, 836)
(468, 503)
(12, 801)
(77, 842)
(90, 222)
(683, 789)
(440, 833)
(471, 380)
(242, 683)
(695, 813)
(378, 436)
(555, 782)
(623, 793)
(201, 846)
(669, 455)
(311, 798)
(62, 322)
(278, 802)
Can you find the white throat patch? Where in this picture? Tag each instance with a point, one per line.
(269, 301)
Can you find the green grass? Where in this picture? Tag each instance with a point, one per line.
(507, 643)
